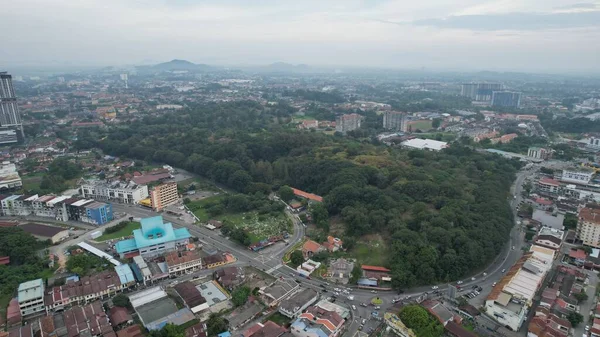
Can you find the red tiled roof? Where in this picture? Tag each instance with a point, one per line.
(375, 268)
(590, 215)
(577, 254)
(119, 315)
(4, 260)
(543, 201)
(549, 181)
(311, 246)
(307, 195)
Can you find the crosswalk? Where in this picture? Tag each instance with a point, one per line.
(270, 271)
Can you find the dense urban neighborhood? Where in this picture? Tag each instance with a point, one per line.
(178, 200)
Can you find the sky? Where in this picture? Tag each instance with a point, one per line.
(517, 35)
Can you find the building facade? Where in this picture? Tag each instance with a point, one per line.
(10, 117)
(506, 99)
(577, 175)
(31, 297)
(349, 122)
(164, 195)
(548, 185)
(538, 153)
(394, 120)
(588, 227)
(9, 177)
(480, 92)
(154, 238)
(183, 262)
(126, 193)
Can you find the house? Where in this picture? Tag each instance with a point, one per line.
(229, 277)
(132, 331)
(548, 185)
(333, 244)
(340, 270)
(277, 291)
(376, 273)
(439, 311)
(119, 316)
(43, 232)
(306, 195)
(543, 204)
(213, 261)
(551, 326)
(317, 322)
(191, 296)
(196, 330)
(310, 248)
(308, 124)
(296, 303)
(180, 262)
(267, 329)
(456, 330)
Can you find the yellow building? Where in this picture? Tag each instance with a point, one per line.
(164, 195)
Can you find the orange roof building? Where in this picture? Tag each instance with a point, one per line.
(306, 195)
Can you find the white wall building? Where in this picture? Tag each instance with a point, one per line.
(127, 193)
(31, 297)
(9, 177)
(424, 144)
(577, 175)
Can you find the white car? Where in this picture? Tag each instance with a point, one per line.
(587, 328)
(353, 307)
(459, 282)
(374, 291)
(494, 284)
(472, 279)
(435, 287)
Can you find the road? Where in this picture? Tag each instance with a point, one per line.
(269, 259)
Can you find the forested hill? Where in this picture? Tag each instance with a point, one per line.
(444, 214)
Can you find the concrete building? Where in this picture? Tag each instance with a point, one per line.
(549, 238)
(588, 227)
(424, 144)
(9, 177)
(538, 153)
(512, 297)
(154, 238)
(394, 120)
(506, 99)
(10, 117)
(31, 297)
(296, 303)
(164, 195)
(183, 262)
(549, 219)
(579, 175)
(349, 122)
(548, 185)
(317, 322)
(480, 92)
(43, 232)
(127, 193)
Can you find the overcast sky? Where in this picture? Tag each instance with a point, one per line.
(524, 35)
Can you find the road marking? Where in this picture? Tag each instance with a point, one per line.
(274, 268)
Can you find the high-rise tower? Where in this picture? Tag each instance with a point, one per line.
(10, 117)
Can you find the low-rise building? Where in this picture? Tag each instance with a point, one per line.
(191, 296)
(128, 192)
(275, 292)
(424, 144)
(340, 270)
(30, 296)
(549, 219)
(310, 248)
(579, 175)
(155, 237)
(9, 177)
(548, 185)
(43, 232)
(266, 329)
(317, 322)
(180, 262)
(549, 238)
(538, 153)
(297, 302)
(229, 277)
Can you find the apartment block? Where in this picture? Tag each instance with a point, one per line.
(348, 122)
(394, 120)
(164, 195)
(9, 177)
(577, 175)
(31, 297)
(588, 227)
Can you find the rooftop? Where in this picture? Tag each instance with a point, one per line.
(30, 290)
(307, 195)
(590, 215)
(154, 231)
(298, 300)
(41, 230)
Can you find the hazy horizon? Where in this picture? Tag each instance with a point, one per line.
(538, 36)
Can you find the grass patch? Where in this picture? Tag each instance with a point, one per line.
(125, 231)
(423, 125)
(370, 252)
(278, 318)
(199, 209)
(32, 182)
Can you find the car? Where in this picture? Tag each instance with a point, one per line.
(479, 289)
(472, 278)
(435, 287)
(474, 286)
(459, 282)
(503, 270)
(513, 247)
(323, 286)
(374, 291)
(587, 328)
(494, 284)
(363, 304)
(336, 293)
(364, 321)
(337, 290)
(377, 307)
(476, 292)
(353, 307)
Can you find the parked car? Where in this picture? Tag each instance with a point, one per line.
(435, 287)
(353, 307)
(459, 282)
(494, 284)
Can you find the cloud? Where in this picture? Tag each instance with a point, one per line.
(516, 21)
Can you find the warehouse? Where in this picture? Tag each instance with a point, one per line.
(43, 232)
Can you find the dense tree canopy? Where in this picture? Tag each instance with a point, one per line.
(421, 322)
(443, 214)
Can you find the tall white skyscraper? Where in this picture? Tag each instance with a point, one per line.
(10, 117)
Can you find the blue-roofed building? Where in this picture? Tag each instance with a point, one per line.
(125, 274)
(224, 334)
(154, 238)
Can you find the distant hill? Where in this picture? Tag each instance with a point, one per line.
(178, 65)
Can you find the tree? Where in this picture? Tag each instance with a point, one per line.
(581, 297)
(356, 273)
(168, 330)
(84, 264)
(436, 123)
(570, 221)
(296, 258)
(121, 300)
(216, 324)
(286, 193)
(240, 296)
(575, 318)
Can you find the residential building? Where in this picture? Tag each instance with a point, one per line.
(128, 193)
(132, 331)
(549, 219)
(308, 124)
(154, 238)
(213, 261)
(229, 277)
(310, 248)
(119, 316)
(480, 92)
(538, 153)
(340, 270)
(191, 296)
(9, 177)
(578, 175)
(504, 138)
(296, 303)
(349, 122)
(30, 295)
(88, 320)
(509, 99)
(164, 195)
(333, 244)
(43, 232)
(550, 326)
(512, 297)
(549, 238)
(308, 196)
(277, 291)
(548, 185)
(394, 120)
(85, 290)
(180, 262)
(424, 144)
(456, 330)
(10, 117)
(439, 311)
(588, 226)
(317, 322)
(266, 329)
